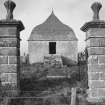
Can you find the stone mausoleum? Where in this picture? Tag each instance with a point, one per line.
(52, 39)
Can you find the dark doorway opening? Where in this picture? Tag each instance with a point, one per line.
(52, 47)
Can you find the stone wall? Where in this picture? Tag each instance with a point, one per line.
(39, 49)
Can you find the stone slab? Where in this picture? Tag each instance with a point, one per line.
(93, 75)
(92, 93)
(3, 60)
(5, 68)
(96, 84)
(12, 86)
(8, 31)
(96, 50)
(8, 43)
(102, 76)
(11, 90)
(10, 51)
(8, 39)
(95, 32)
(12, 59)
(95, 42)
(8, 78)
(94, 100)
(96, 59)
(11, 93)
(96, 67)
(101, 92)
(101, 59)
(93, 59)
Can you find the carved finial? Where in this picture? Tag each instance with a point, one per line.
(10, 5)
(96, 8)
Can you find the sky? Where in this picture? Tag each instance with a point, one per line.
(71, 12)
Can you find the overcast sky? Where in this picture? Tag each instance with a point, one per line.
(71, 12)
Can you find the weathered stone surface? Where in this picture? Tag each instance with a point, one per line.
(101, 59)
(8, 43)
(8, 31)
(96, 94)
(96, 50)
(8, 39)
(93, 59)
(101, 92)
(95, 42)
(96, 59)
(93, 75)
(96, 67)
(10, 89)
(11, 86)
(11, 93)
(10, 51)
(93, 93)
(12, 59)
(102, 76)
(9, 78)
(3, 60)
(8, 68)
(67, 49)
(95, 32)
(97, 84)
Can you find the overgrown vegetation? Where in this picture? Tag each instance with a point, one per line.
(36, 81)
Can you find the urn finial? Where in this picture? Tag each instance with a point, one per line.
(10, 5)
(96, 8)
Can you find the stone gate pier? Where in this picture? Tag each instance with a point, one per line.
(10, 51)
(95, 42)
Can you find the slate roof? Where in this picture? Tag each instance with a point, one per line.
(52, 29)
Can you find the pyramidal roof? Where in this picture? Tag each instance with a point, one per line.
(52, 29)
